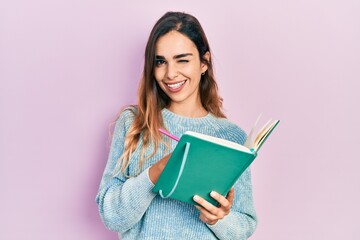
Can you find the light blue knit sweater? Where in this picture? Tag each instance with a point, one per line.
(128, 206)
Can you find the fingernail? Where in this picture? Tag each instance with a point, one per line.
(213, 194)
(196, 198)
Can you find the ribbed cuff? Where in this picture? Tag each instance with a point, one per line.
(145, 183)
(147, 173)
(223, 224)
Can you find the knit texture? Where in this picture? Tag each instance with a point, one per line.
(128, 206)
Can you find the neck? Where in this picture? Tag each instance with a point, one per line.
(188, 111)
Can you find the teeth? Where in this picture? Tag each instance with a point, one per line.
(176, 85)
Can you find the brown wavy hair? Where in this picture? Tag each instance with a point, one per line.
(152, 99)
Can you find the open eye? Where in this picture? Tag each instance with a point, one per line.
(159, 62)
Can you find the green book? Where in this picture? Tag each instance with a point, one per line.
(200, 164)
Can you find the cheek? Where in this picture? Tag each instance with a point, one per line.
(194, 71)
(158, 74)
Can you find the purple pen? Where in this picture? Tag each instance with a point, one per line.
(169, 134)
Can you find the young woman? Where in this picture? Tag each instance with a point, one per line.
(177, 92)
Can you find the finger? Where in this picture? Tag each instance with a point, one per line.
(231, 195)
(221, 199)
(205, 216)
(202, 210)
(211, 217)
(207, 220)
(206, 205)
(199, 207)
(204, 219)
(208, 217)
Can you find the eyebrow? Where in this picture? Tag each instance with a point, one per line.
(176, 56)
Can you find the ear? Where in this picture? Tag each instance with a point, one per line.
(204, 66)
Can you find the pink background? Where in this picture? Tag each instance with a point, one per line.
(67, 67)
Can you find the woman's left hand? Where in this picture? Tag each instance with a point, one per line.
(209, 213)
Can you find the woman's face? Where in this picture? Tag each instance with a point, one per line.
(178, 68)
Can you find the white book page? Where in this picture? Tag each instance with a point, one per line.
(263, 131)
(219, 141)
(250, 139)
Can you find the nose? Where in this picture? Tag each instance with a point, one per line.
(172, 71)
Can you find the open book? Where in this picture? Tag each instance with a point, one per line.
(255, 142)
(200, 164)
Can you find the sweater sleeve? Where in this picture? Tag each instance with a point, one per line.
(122, 201)
(241, 222)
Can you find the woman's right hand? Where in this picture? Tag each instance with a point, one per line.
(156, 169)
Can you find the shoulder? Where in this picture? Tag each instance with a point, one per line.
(125, 118)
(231, 131)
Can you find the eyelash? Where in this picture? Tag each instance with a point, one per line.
(160, 61)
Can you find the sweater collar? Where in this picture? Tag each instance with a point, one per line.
(185, 121)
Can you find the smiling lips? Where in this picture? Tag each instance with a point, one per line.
(175, 87)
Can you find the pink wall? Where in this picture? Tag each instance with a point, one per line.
(66, 67)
